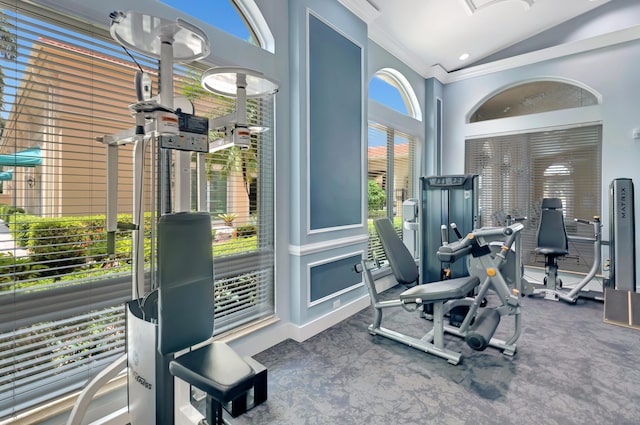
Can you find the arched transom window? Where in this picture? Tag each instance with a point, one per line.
(533, 97)
(390, 88)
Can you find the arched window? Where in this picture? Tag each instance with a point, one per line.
(531, 98)
(390, 88)
(241, 18)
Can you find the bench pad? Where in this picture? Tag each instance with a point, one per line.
(215, 369)
(440, 291)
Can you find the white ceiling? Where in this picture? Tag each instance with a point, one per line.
(432, 34)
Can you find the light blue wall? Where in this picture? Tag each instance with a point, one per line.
(612, 72)
(311, 246)
(335, 127)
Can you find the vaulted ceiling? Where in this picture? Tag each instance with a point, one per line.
(431, 36)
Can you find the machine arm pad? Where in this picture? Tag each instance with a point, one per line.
(455, 250)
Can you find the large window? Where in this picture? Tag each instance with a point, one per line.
(391, 167)
(518, 170)
(391, 170)
(61, 294)
(391, 175)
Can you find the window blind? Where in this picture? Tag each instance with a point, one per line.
(518, 171)
(61, 295)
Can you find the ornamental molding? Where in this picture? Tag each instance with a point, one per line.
(472, 6)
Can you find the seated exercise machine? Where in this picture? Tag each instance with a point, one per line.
(169, 329)
(163, 327)
(553, 242)
(485, 266)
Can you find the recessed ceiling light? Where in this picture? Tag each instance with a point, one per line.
(464, 56)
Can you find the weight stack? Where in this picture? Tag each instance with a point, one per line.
(622, 235)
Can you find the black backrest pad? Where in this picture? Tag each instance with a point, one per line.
(185, 276)
(402, 263)
(551, 231)
(551, 204)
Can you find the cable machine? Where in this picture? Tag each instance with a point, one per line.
(445, 200)
(168, 132)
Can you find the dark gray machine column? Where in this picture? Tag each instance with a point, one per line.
(622, 235)
(445, 200)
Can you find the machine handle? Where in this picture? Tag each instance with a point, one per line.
(443, 235)
(455, 229)
(498, 231)
(596, 220)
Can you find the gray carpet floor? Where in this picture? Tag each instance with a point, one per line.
(569, 368)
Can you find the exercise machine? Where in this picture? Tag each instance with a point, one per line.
(622, 235)
(449, 201)
(480, 323)
(172, 304)
(553, 242)
(622, 292)
(445, 200)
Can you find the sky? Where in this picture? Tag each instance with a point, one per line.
(219, 13)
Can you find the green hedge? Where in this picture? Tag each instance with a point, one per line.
(246, 230)
(59, 246)
(56, 244)
(7, 211)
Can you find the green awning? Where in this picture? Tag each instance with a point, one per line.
(6, 175)
(26, 158)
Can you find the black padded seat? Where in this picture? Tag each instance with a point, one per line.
(215, 369)
(552, 233)
(558, 252)
(440, 291)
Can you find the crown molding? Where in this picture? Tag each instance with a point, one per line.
(397, 49)
(364, 9)
(437, 72)
(369, 12)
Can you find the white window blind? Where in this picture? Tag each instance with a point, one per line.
(518, 171)
(61, 295)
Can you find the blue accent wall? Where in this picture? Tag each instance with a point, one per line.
(335, 133)
(332, 277)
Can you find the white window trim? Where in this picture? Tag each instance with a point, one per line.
(258, 24)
